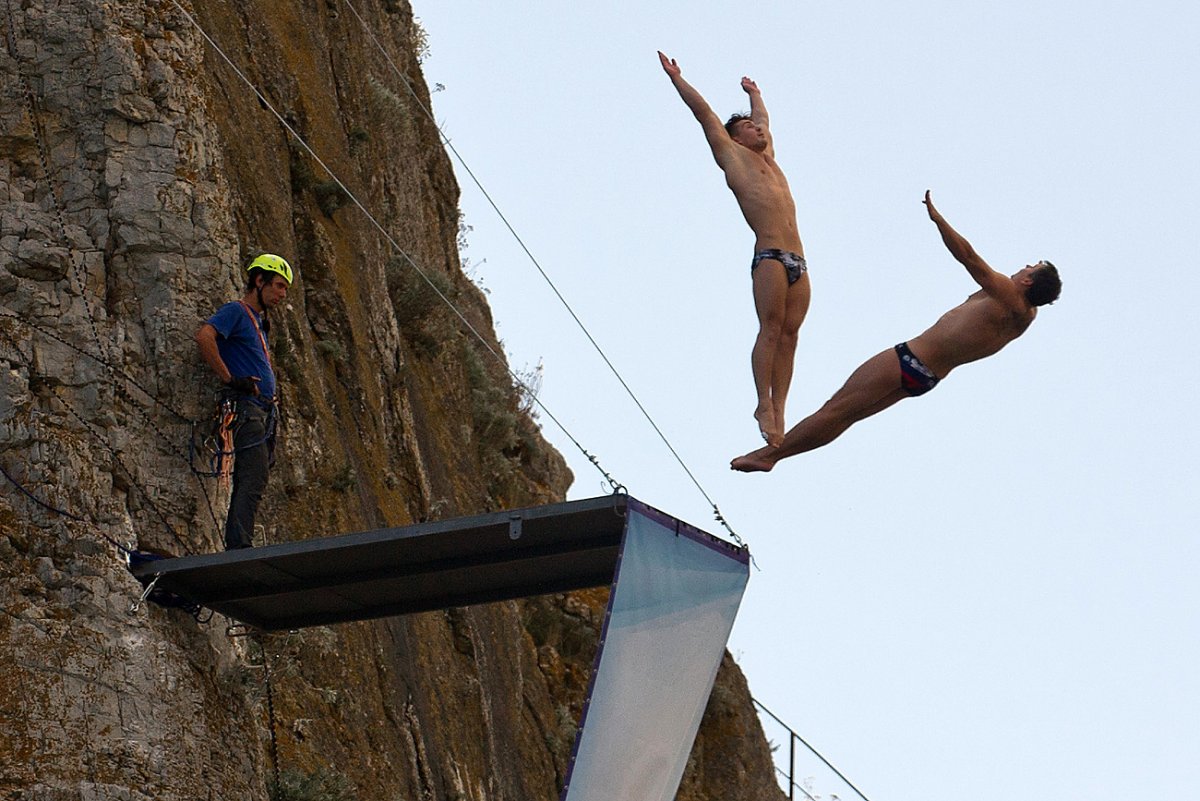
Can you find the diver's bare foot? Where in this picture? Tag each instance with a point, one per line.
(758, 461)
(772, 434)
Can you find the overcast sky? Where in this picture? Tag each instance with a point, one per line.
(991, 591)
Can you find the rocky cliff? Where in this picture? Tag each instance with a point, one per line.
(138, 174)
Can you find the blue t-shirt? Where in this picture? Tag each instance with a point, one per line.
(241, 348)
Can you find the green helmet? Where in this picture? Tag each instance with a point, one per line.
(272, 264)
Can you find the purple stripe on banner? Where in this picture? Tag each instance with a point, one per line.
(691, 532)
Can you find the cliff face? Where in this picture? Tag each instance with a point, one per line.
(138, 174)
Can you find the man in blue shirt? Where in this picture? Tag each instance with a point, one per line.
(233, 342)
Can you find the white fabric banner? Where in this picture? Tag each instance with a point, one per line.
(675, 597)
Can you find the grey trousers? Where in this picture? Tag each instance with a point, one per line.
(251, 466)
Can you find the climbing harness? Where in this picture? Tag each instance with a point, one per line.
(211, 449)
(212, 441)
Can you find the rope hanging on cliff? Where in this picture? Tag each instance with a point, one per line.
(130, 555)
(48, 507)
(45, 504)
(116, 376)
(114, 371)
(720, 518)
(128, 552)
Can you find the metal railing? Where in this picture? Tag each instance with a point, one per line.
(793, 738)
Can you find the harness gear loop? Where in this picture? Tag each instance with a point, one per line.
(216, 449)
(226, 419)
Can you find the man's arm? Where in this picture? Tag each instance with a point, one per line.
(997, 285)
(758, 113)
(206, 339)
(714, 131)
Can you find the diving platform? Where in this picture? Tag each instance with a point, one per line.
(675, 591)
(395, 571)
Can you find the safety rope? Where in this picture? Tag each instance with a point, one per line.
(114, 371)
(124, 469)
(115, 376)
(48, 507)
(173, 447)
(102, 438)
(720, 518)
(62, 512)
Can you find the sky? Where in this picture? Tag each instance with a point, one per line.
(990, 591)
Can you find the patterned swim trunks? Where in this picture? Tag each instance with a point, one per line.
(793, 263)
(915, 378)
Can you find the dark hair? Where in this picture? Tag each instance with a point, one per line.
(252, 277)
(732, 122)
(1046, 285)
(253, 274)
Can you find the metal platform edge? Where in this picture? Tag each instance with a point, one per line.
(179, 564)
